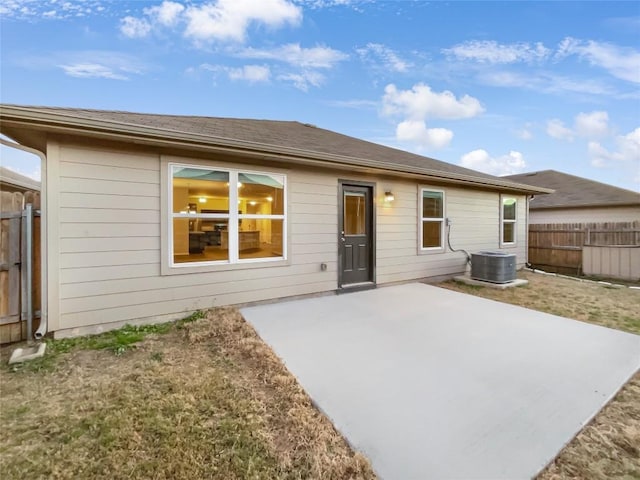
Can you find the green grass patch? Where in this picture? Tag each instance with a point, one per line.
(117, 341)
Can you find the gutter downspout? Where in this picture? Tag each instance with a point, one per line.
(526, 236)
(42, 328)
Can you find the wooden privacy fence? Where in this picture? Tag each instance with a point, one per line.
(19, 290)
(558, 247)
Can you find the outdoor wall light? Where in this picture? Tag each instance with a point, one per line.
(202, 200)
(389, 197)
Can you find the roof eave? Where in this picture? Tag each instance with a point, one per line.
(586, 205)
(69, 124)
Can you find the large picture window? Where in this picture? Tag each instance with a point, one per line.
(508, 221)
(226, 216)
(432, 219)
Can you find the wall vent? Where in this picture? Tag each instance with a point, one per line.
(495, 267)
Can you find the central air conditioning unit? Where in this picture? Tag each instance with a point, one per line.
(495, 267)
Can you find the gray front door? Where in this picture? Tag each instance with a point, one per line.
(356, 234)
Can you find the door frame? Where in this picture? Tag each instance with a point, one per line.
(372, 213)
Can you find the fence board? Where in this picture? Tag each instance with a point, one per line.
(10, 256)
(558, 246)
(12, 329)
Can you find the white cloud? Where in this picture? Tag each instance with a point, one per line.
(106, 64)
(303, 80)
(307, 62)
(592, 124)
(416, 131)
(251, 73)
(544, 82)
(626, 152)
(229, 20)
(507, 164)
(589, 125)
(621, 62)
(34, 10)
(248, 73)
(489, 51)
(214, 20)
(294, 54)
(135, 27)
(477, 57)
(421, 103)
(167, 13)
(556, 129)
(92, 70)
(315, 4)
(566, 47)
(375, 52)
(524, 133)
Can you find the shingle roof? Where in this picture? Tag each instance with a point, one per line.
(14, 179)
(305, 138)
(572, 191)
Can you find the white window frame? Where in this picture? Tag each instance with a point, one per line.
(232, 217)
(504, 221)
(422, 219)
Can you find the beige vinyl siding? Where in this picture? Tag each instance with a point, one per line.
(585, 215)
(476, 226)
(109, 244)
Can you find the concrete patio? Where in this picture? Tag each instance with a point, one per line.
(435, 384)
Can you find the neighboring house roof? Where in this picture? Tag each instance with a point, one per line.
(10, 180)
(266, 139)
(573, 192)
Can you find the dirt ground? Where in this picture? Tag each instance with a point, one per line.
(208, 399)
(609, 446)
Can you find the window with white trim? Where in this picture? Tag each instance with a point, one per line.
(432, 219)
(509, 206)
(225, 216)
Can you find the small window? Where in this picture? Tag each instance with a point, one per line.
(432, 220)
(508, 221)
(205, 228)
(354, 213)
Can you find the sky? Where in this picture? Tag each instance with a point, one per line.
(499, 87)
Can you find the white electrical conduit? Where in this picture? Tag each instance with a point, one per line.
(448, 225)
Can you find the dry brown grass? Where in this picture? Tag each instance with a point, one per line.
(208, 399)
(591, 302)
(609, 446)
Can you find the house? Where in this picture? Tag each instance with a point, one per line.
(578, 200)
(11, 181)
(150, 217)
